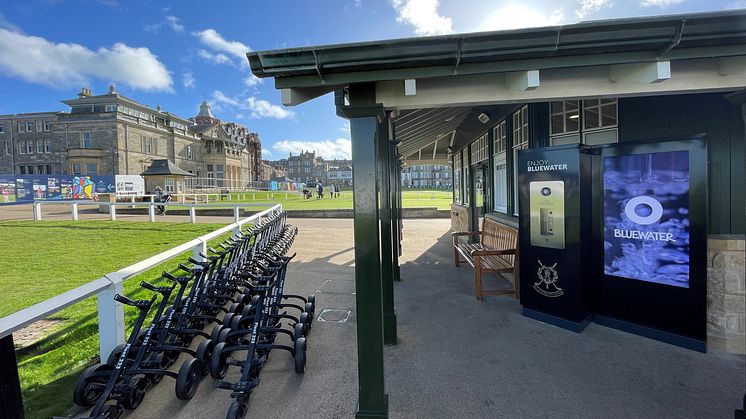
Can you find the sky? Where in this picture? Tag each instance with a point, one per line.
(177, 53)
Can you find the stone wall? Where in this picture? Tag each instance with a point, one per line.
(460, 218)
(726, 312)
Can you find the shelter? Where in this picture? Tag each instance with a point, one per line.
(164, 173)
(476, 100)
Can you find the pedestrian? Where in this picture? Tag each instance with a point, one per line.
(6, 195)
(319, 191)
(336, 190)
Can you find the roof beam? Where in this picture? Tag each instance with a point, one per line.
(297, 95)
(522, 80)
(655, 72)
(731, 65)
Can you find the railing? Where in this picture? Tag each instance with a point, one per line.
(110, 312)
(151, 206)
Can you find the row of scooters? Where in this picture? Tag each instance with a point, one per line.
(227, 309)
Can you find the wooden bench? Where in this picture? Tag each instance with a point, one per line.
(495, 251)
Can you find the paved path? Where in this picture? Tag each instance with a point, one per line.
(460, 358)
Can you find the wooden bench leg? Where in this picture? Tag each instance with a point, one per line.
(455, 256)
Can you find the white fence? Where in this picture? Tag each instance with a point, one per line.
(151, 206)
(110, 312)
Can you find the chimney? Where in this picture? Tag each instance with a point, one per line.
(84, 92)
(112, 89)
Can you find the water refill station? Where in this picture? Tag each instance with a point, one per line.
(616, 235)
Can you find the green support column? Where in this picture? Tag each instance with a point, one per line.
(364, 116)
(395, 185)
(387, 270)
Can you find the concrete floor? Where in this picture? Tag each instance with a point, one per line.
(457, 357)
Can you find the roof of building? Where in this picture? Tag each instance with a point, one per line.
(165, 167)
(586, 43)
(204, 110)
(201, 128)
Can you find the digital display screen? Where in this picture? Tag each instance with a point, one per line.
(646, 217)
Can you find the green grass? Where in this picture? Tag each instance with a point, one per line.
(58, 256)
(410, 199)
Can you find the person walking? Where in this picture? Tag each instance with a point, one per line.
(319, 191)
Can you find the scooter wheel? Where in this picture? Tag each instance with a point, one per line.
(248, 310)
(187, 381)
(236, 322)
(228, 318)
(311, 299)
(299, 331)
(300, 355)
(244, 299)
(237, 411)
(310, 309)
(204, 353)
(305, 320)
(110, 411)
(254, 300)
(88, 388)
(223, 336)
(218, 366)
(235, 308)
(216, 332)
(115, 354)
(135, 392)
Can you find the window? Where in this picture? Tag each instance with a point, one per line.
(479, 150)
(110, 108)
(29, 126)
(465, 185)
(87, 140)
(29, 147)
(91, 168)
(189, 154)
(308, 170)
(30, 170)
(21, 147)
(2, 128)
(520, 142)
(47, 126)
(565, 117)
(75, 168)
(40, 146)
(39, 126)
(599, 113)
(21, 127)
(47, 146)
(220, 174)
(169, 184)
(49, 169)
(40, 169)
(500, 148)
(147, 145)
(23, 170)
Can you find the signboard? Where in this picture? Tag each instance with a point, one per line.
(646, 217)
(28, 188)
(130, 184)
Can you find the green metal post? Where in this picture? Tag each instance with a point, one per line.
(11, 403)
(395, 182)
(387, 277)
(364, 115)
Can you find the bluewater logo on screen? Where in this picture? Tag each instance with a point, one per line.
(646, 217)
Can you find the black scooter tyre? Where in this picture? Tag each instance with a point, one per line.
(187, 381)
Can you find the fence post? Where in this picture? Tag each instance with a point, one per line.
(200, 248)
(113, 212)
(151, 212)
(110, 317)
(253, 197)
(207, 198)
(75, 211)
(37, 211)
(236, 214)
(192, 214)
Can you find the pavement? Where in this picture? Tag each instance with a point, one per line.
(458, 357)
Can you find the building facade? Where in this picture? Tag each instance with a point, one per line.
(111, 134)
(426, 176)
(307, 166)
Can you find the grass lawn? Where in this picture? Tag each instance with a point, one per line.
(58, 256)
(410, 199)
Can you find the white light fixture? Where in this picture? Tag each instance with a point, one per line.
(574, 116)
(483, 118)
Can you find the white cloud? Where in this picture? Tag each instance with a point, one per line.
(423, 15)
(213, 40)
(659, 3)
(257, 108)
(261, 108)
(252, 81)
(516, 16)
(174, 23)
(5, 23)
(341, 148)
(588, 7)
(37, 60)
(187, 79)
(218, 58)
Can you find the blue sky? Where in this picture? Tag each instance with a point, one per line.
(175, 53)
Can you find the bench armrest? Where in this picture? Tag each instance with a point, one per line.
(466, 233)
(492, 252)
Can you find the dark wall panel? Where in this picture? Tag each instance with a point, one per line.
(686, 115)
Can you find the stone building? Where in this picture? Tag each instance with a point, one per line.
(426, 176)
(299, 168)
(111, 134)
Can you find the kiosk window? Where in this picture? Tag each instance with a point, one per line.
(457, 178)
(520, 142)
(500, 140)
